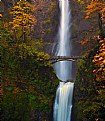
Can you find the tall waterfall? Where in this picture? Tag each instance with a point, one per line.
(63, 69)
(63, 100)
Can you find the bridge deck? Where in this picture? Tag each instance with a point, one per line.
(64, 57)
(54, 59)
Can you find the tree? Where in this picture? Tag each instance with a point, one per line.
(27, 87)
(98, 7)
(23, 20)
(92, 68)
(99, 60)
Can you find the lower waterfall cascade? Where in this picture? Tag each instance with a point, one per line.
(64, 93)
(63, 102)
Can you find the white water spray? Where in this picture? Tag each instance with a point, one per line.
(63, 100)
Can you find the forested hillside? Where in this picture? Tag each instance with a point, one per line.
(28, 81)
(89, 92)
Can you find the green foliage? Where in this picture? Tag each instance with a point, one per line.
(89, 90)
(99, 60)
(28, 82)
(47, 21)
(15, 107)
(89, 103)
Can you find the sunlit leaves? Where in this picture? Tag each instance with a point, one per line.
(98, 7)
(95, 7)
(99, 60)
(84, 41)
(0, 15)
(22, 15)
(27, 86)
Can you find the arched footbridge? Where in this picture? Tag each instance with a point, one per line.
(54, 59)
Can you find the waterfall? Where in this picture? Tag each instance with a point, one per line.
(63, 69)
(63, 100)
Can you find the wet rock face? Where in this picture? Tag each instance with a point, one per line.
(9, 3)
(45, 16)
(47, 22)
(81, 29)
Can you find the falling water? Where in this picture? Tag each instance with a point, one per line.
(63, 69)
(63, 100)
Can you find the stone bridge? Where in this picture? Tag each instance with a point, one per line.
(54, 59)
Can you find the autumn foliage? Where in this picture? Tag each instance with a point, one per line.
(22, 20)
(90, 95)
(99, 60)
(98, 7)
(26, 86)
(95, 7)
(22, 16)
